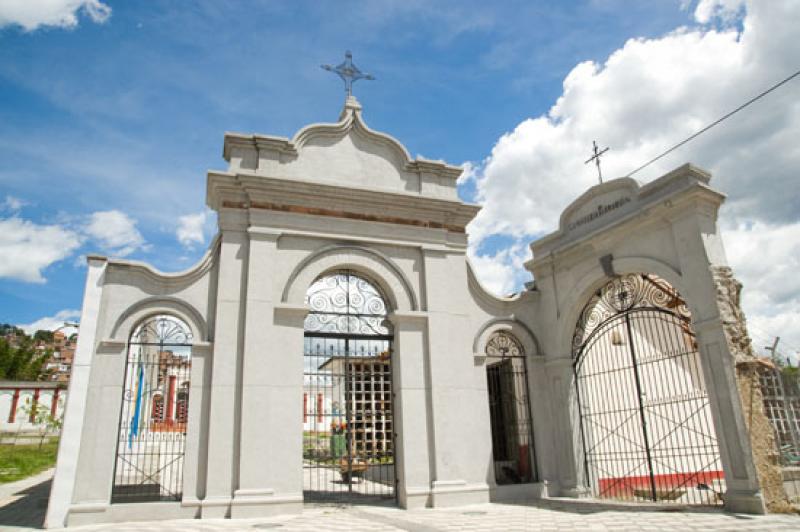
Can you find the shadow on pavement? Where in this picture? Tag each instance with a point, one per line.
(29, 510)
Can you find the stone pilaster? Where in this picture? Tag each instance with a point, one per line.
(196, 457)
(462, 450)
(224, 408)
(271, 391)
(62, 492)
(566, 436)
(413, 442)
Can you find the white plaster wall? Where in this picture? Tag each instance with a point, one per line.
(352, 159)
(518, 315)
(6, 397)
(347, 152)
(130, 293)
(22, 421)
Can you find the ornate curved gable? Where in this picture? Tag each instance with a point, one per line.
(346, 153)
(617, 200)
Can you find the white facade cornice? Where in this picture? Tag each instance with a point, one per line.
(228, 190)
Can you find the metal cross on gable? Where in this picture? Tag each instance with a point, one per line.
(348, 72)
(596, 159)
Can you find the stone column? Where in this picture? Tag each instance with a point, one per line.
(224, 412)
(413, 451)
(62, 491)
(460, 425)
(270, 465)
(742, 489)
(565, 430)
(699, 247)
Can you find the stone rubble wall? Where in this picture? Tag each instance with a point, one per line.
(762, 438)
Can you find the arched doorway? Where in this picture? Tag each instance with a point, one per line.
(509, 410)
(645, 418)
(152, 431)
(348, 431)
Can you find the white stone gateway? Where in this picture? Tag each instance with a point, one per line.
(234, 389)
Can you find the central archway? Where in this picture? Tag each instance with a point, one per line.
(348, 443)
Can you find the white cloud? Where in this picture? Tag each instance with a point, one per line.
(28, 248)
(767, 258)
(51, 323)
(725, 10)
(470, 173)
(190, 229)
(32, 14)
(12, 204)
(115, 232)
(502, 273)
(645, 97)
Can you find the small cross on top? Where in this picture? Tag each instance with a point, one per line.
(348, 72)
(596, 159)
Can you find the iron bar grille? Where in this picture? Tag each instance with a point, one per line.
(644, 413)
(154, 413)
(348, 424)
(509, 411)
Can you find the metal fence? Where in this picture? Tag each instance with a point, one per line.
(780, 388)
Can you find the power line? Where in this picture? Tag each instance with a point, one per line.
(681, 143)
(769, 334)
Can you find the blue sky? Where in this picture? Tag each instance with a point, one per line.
(111, 113)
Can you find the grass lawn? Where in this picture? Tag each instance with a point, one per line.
(20, 461)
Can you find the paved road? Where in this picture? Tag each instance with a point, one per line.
(22, 508)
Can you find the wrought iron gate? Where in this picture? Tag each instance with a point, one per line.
(153, 415)
(348, 432)
(644, 413)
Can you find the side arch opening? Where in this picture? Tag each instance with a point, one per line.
(151, 440)
(510, 416)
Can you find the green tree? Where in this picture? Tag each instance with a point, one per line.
(43, 336)
(22, 362)
(7, 328)
(42, 417)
